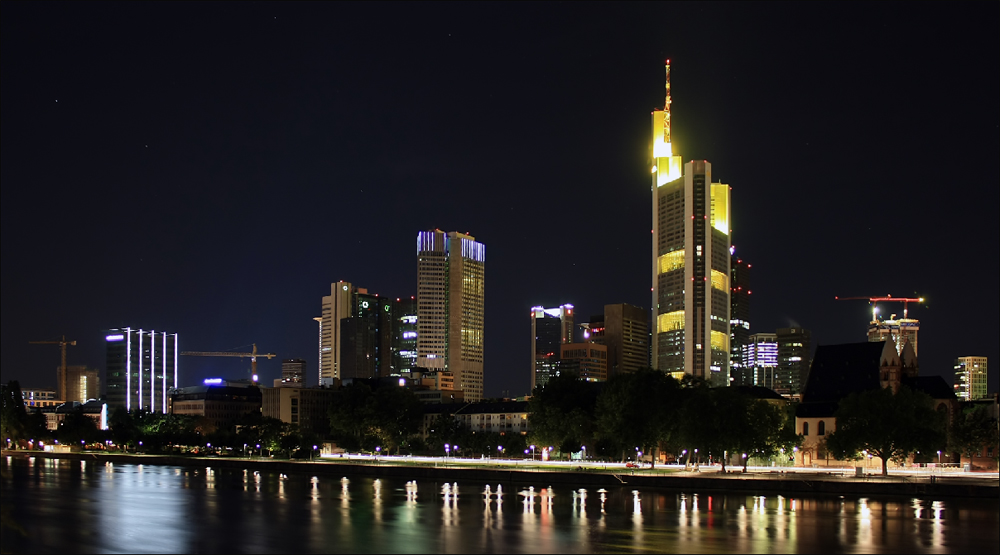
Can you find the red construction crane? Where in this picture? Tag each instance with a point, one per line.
(252, 355)
(905, 300)
(61, 378)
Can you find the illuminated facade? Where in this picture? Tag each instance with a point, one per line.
(82, 384)
(405, 349)
(740, 371)
(760, 356)
(363, 335)
(550, 328)
(896, 331)
(451, 307)
(141, 368)
(691, 262)
(970, 378)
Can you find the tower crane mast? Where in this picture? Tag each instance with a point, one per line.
(61, 378)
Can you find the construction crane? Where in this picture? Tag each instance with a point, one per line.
(61, 378)
(905, 300)
(252, 355)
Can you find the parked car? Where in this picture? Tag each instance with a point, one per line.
(631, 464)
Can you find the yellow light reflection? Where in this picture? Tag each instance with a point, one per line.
(670, 321)
(720, 207)
(671, 261)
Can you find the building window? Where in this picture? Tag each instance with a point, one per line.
(805, 428)
(821, 428)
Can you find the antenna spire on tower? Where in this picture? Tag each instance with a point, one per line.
(666, 109)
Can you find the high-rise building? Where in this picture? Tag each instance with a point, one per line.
(760, 356)
(794, 349)
(141, 368)
(626, 334)
(970, 378)
(405, 348)
(450, 307)
(896, 331)
(691, 258)
(82, 384)
(550, 328)
(293, 371)
(336, 307)
(740, 372)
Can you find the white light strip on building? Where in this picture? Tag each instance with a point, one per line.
(128, 369)
(176, 343)
(164, 398)
(152, 370)
(140, 370)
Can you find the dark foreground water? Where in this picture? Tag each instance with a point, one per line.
(72, 506)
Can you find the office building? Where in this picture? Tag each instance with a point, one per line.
(82, 384)
(293, 371)
(970, 378)
(450, 307)
(896, 331)
(335, 307)
(405, 347)
(305, 407)
(691, 258)
(589, 361)
(626, 334)
(222, 403)
(740, 372)
(141, 368)
(760, 356)
(794, 349)
(357, 334)
(550, 328)
(40, 397)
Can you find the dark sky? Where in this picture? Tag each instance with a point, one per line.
(210, 169)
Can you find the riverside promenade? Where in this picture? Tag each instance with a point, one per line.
(761, 480)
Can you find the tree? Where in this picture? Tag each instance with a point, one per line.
(887, 425)
(563, 413)
(767, 430)
(13, 417)
(974, 431)
(78, 428)
(638, 410)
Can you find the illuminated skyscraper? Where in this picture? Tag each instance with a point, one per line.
(82, 384)
(450, 307)
(550, 328)
(293, 371)
(896, 331)
(141, 368)
(970, 378)
(691, 259)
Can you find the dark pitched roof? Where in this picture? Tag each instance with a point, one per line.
(935, 386)
(815, 410)
(839, 370)
(758, 392)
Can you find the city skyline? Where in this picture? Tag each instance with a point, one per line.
(186, 183)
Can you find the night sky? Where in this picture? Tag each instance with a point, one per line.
(210, 169)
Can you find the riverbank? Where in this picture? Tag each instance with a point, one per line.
(756, 483)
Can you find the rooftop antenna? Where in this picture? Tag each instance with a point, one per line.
(666, 109)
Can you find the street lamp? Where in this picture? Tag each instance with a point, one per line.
(311, 453)
(532, 452)
(447, 450)
(939, 457)
(499, 450)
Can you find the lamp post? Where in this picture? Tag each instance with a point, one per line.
(532, 452)
(447, 450)
(499, 450)
(311, 453)
(683, 453)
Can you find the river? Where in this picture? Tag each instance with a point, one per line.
(72, 506)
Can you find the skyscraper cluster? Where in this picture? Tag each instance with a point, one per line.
(441, 329)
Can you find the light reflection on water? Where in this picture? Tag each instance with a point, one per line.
(71, 507)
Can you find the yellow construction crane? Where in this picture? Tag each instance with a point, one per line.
(252, 355)
(61, 377)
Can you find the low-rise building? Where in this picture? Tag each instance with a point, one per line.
(503, 417)
(306, 407)
(223, 405)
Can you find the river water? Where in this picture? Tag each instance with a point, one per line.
(66, 506)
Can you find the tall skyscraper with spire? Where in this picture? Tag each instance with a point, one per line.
(691, 261)
(450, 307)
